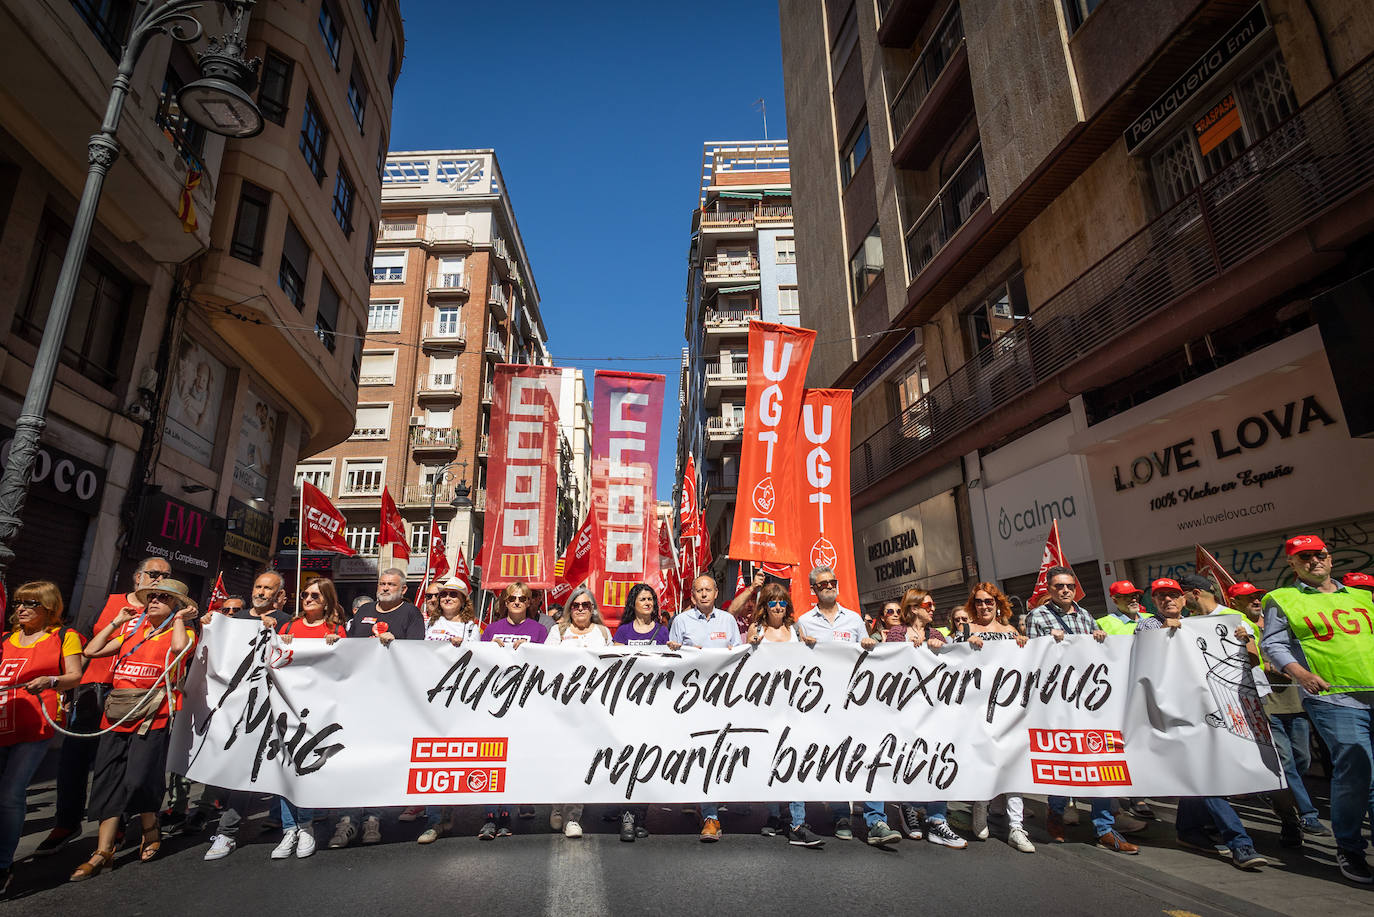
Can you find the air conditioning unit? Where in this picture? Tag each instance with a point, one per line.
(417, 420)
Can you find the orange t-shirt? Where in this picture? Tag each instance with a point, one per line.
(98, 670)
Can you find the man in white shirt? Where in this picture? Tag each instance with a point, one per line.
(829, 620)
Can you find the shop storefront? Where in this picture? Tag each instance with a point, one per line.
(188, 537)
(1236, 461)
(247, 547)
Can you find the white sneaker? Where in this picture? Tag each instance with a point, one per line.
(1070, 814)
(1020, 840)
(305, 844)
(221, 845)
(1127, 824)
(556, 818)
(287, 845)
(572, 829)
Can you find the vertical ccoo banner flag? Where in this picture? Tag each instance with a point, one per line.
(826, 535)
(522, 477)
(627, 415)
(766, 515)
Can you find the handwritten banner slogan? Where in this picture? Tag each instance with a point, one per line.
(1161, 713)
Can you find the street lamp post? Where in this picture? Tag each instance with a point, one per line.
(441, 476)
(218, 102)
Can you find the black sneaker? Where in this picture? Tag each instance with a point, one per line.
(1353, 866)
(641, 832)
(488, 832)
(771, 827)
(195, 822)
(843, 830)
(1290, 835)
(803, 836)
(911, 821)
(1313, 826)
(57, 839)
(627, 828)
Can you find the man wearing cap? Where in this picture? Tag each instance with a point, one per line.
(1195, 813)
(1127, 619)
(1321, 634)
(1248, 599)
(1059, 616)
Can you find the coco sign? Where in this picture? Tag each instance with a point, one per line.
(60, 476)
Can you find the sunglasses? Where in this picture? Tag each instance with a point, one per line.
(775, 604)
(892, 611)
(1309, 556)
(448, 594)
(1064, 586)
(313, 595)
(517, 600)
(985, 601)
(157, 574)
(827, 583)
(581, 604)
(29, 603)
(160, 597)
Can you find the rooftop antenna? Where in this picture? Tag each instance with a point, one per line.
(762, 106)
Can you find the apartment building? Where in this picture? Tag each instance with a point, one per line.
(452, 295)
(741, 266)
(1071, 256)
(187, 389)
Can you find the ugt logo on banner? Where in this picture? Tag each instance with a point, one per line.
(826, 536)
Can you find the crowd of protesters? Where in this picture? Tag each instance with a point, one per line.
(119, 689)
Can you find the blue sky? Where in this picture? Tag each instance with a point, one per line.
(597, 114)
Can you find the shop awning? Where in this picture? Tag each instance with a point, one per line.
(743, 195)
(778, 193)
(742, 289)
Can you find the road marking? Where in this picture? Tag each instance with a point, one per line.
(574, 883)
(1170, 913)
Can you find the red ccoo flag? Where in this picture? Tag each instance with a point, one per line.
(1054, 557)
(322, 524)
(577, 561)
(436, 564)
(393, 530)
(1208, 565)
(687, 509)
(461, 570)
(217, 595)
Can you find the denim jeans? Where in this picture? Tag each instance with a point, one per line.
(1196, 812)
(1347, 733)
(1293, 738)
(935, 811)
(1101, 811)
(795, 810)
(435, 815)
(17, 766)
(294, 816)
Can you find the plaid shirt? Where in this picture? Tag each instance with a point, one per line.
(1048, 617)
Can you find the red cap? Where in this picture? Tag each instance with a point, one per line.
(1240, 589)
(1166, 583)
(1358, 580)
(1124, 587)
(1303, 543)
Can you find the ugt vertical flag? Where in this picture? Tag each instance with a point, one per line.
(393, 529)
(826, 535)
(522, 477)
(627, 414)
(766, 515)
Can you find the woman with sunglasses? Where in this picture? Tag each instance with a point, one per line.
(639, 622)
(581, 627)
(512, 630)
(917, 612)
(775, 622)
(452, 619)
(131, 760)
(39, 659)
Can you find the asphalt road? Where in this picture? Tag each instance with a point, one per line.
(669, 873)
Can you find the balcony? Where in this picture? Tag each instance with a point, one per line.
(487, 389)
(377, 379)
(1216, 248)
(494, 345)
(953, 206)
(370, 433)
(498, 300)
(447, 286)
(721, 487)
(899, 21)
(363, 485)
(501, 258)
(728, 218)
(773, 213)
(483, 444)
(722, 432)
(935, 97)
(727, 371)
(730, 321)
(420, 494)
(479, 499)
(722, 269)
(444, 335)
(453, 237)
(439, 387)
(434, 439)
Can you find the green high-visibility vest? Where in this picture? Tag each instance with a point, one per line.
(1335, 631)
(1111, 624)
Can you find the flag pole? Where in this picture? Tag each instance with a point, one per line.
(300, 546)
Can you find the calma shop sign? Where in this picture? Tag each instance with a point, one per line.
(1266, 454)
(1021, 509)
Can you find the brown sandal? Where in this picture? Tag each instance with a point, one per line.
(148, 849)
(93, 866)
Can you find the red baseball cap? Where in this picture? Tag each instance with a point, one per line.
(1240, 589)
(1358, 580)
(1303, 543)
(1124, 587)
(1166, 583)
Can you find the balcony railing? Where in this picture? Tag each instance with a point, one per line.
(952, 207)
(370, 433)
(488, 389)
(745, 217)
(483, 443)
(445, 333)
(453, 282)
(732, 369)
(728, 268)
(936, 55)
(440, 384)
(479, 499)
(730, 318)
(494, 344)
(720, 484)
(724, 426)
(410, 231)
(421, 493)
(369, 485)
(765, 213)
(496, 296)
(1319, 158)
(434, 438)
(377, 379)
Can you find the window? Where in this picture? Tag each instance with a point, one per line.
(314, 137)
(250, 223)
(1075, 11)
(331, 30)
(357, 97)
(419, 534)
(845, 42)
(274, 97)
(998, 315)
(787, 301)
(1221, 129)
(866, 263)
(357, 361)
(448, 321)
(94, 340)
(912, 383)
(371, 251)
(186, 136)
(384, 315)
(389, 267)
(786, 250)
(855, 152)
(392, 70)
(363, 477)
(378, 368)
(319, 474)
(362, 538)
(108, 19)
(343, 201)
(370, 14)
(450, 273)
(327, 314)
(381, 156)
(372, 421)
(295, 262)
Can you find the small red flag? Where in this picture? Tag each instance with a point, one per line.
(1053, 557)
(217, 595)
(393, 530)
(577, 561)
(1208, 565)
(322, 524)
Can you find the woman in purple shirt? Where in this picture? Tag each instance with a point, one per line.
(639, 624)
(513, 630)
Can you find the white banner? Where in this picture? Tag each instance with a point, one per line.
(1160, 714)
